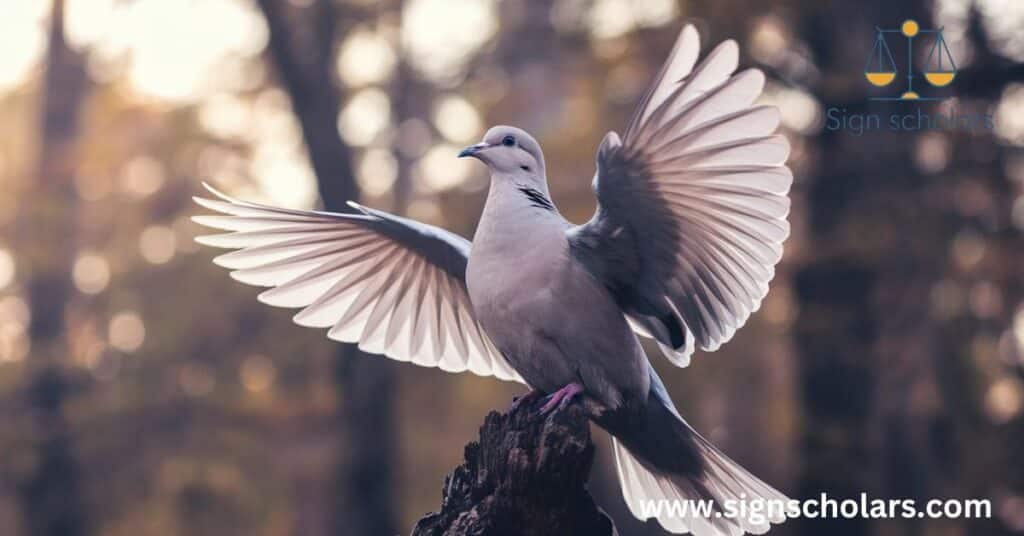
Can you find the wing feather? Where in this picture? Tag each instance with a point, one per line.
(393, 286)
(692, 205)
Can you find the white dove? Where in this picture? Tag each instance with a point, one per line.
(688, 229)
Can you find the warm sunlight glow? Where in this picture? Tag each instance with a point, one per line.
(22, 40)
(91, 273)
(932, 152)
(434, 36)
(14, 345)
(365, 116)
(440, 169)
(1003, 21)
(156, 244)
(14, 310)
(613, 18)
(1004, 399)
(798, 111)
(1018, 327)
(365, 58)
(257, 373)
(377, 172)
(968, 249)
(1009, 122)
(142, 176)
(178, 51)
(768, 41)
(14, 319)
(226, 116)
(457, 119)
(7, 268)
(278, 161)
(126, 331)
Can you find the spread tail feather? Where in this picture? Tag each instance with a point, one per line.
(665, 468)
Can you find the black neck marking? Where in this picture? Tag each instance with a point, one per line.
(536, 198)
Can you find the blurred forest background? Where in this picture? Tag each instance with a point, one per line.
(144, 393)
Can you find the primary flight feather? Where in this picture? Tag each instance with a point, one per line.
(692, 206)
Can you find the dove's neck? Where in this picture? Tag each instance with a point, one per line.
(518, 215)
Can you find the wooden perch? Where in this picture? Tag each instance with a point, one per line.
(526, 476)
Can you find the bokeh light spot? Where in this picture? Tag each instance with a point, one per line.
(91, 273)
(365, 58)
(142, 176)
(365, 116)
(257, 373)
(1004, 399)
(126, 331)
(377, 172)
(156, 244)
(440, 169)
(7, 268)
(457, 119)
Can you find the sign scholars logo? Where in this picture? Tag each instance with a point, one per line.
(883, 69)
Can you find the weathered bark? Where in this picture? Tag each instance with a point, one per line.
(302, 43)
(526, 476)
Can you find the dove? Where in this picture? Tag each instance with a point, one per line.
(691, 217)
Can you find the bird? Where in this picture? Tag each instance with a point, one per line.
(692, 202)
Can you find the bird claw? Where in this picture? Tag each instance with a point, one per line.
(560, 398)
(519, 400)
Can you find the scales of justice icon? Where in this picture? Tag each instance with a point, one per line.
(939, 68)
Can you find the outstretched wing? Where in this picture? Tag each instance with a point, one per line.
(692, 203)
(394, 286)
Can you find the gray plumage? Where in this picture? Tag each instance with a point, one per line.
(690, 221)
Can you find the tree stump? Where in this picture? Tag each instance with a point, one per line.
(526, 476)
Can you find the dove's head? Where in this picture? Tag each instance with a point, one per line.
(509, 151)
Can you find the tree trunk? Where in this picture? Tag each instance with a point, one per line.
(526, 476)
(51, 502)
(864, 333)
(302, 43)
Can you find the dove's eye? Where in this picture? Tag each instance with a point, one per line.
(508, 141)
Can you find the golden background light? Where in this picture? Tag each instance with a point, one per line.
(14, 320)
(156, 244)
(366, 57)
(7, 268)
(90, 273)
(22, 40)
(257, 373)
(433, 38)
(439, 170)
(377, 172)
(14, 345)
(1004, 399)
(457, 119)
(142, 176)
(126, 331)
(365, 116)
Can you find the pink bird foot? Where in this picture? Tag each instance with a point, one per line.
(561, 397)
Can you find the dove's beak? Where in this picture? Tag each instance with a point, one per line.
(473, 150)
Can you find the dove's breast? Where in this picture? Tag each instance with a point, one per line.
(512, 268)
(554, 323)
